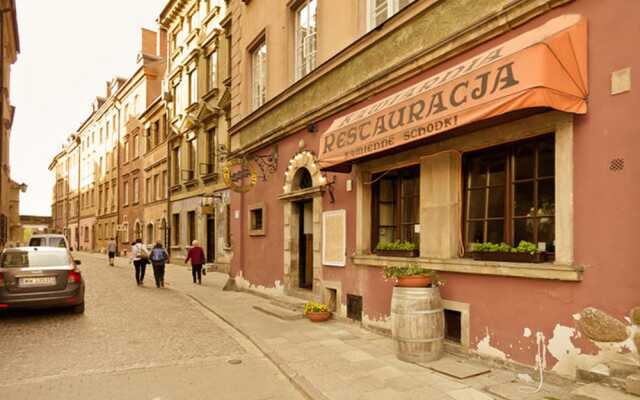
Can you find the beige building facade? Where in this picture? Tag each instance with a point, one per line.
(198, 99)
(9, 190)
(155, 173)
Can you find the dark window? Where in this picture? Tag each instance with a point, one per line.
(510, 194)
(211, 150)
(453, 326)
(354, 307)
(256, 219)
(191, 226)
(396, 206)
(303, 179)
(176, 229)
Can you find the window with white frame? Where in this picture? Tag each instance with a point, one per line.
(193, 86)
(259, 75)
(136, 190)
(305, 38)
(380, 10)
(212, 61)
(125, 194)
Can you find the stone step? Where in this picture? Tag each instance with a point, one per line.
(593, 391)
(633, 384)
(288, 302)
(279, 312)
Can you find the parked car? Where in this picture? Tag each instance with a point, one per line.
(40, 277)
(48, 240)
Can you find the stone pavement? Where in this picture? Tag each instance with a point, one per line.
(339, 360)
(131, 343)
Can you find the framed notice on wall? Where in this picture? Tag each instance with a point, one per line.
(334, 238)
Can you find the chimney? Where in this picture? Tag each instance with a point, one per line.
(149, 42)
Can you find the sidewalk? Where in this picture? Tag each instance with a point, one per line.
(339, 360)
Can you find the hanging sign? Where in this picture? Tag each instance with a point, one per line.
(240, 175)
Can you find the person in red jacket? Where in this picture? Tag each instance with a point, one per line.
(196, 255)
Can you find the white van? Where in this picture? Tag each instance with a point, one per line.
(48, 240)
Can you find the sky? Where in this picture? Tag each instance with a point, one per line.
(69, 49)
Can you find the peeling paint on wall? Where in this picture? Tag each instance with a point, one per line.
(276, 290)
(485, 348)
(570, 357)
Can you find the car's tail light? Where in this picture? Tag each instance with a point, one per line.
(74, 277)
(4, 306)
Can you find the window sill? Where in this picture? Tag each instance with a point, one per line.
(572, 273)
(175, 187)
(212, 176)
(191, 183)
(211, 94)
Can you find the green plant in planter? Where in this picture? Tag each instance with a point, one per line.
(397, 245)
(523, 247)
(315, 307)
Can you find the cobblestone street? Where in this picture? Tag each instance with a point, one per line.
(131, 343)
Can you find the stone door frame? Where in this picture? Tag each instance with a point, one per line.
(292, 194)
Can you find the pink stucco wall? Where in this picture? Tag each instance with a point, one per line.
(606, 208)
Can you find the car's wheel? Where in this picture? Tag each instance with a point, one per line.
(79, 309)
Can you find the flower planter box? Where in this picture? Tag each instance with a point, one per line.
(318, 316)
(414, 281)
(397, 253)
(508, 257)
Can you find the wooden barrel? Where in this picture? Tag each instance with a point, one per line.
(417, 323)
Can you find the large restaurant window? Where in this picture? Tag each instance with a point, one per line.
(510, 194)
(396, 206)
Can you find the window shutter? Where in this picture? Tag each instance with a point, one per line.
(380, 11)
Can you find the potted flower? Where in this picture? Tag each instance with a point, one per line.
(524, 252)
(412, 275)
(317, 312)
(397, 249)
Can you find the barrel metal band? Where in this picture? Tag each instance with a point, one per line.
(418, 312)
(418, 340)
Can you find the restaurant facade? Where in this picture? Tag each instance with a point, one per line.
(514, 124)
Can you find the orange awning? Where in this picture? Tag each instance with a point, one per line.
(545, 67)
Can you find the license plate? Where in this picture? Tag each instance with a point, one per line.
(39, 281)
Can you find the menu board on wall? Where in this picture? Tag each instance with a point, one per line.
(334, 238)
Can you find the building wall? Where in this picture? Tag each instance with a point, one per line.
(10, 51)
(203, 121)
(507, 315)
(155, 170)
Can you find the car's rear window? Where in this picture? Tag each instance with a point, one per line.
(35, 242)
(25, 259)
(57, 242)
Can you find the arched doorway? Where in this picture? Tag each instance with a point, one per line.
(137, 231)
(302, 196)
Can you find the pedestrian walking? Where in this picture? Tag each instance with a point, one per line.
(158, 258)
(196, 255)
(111, 250)
(140, 258)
